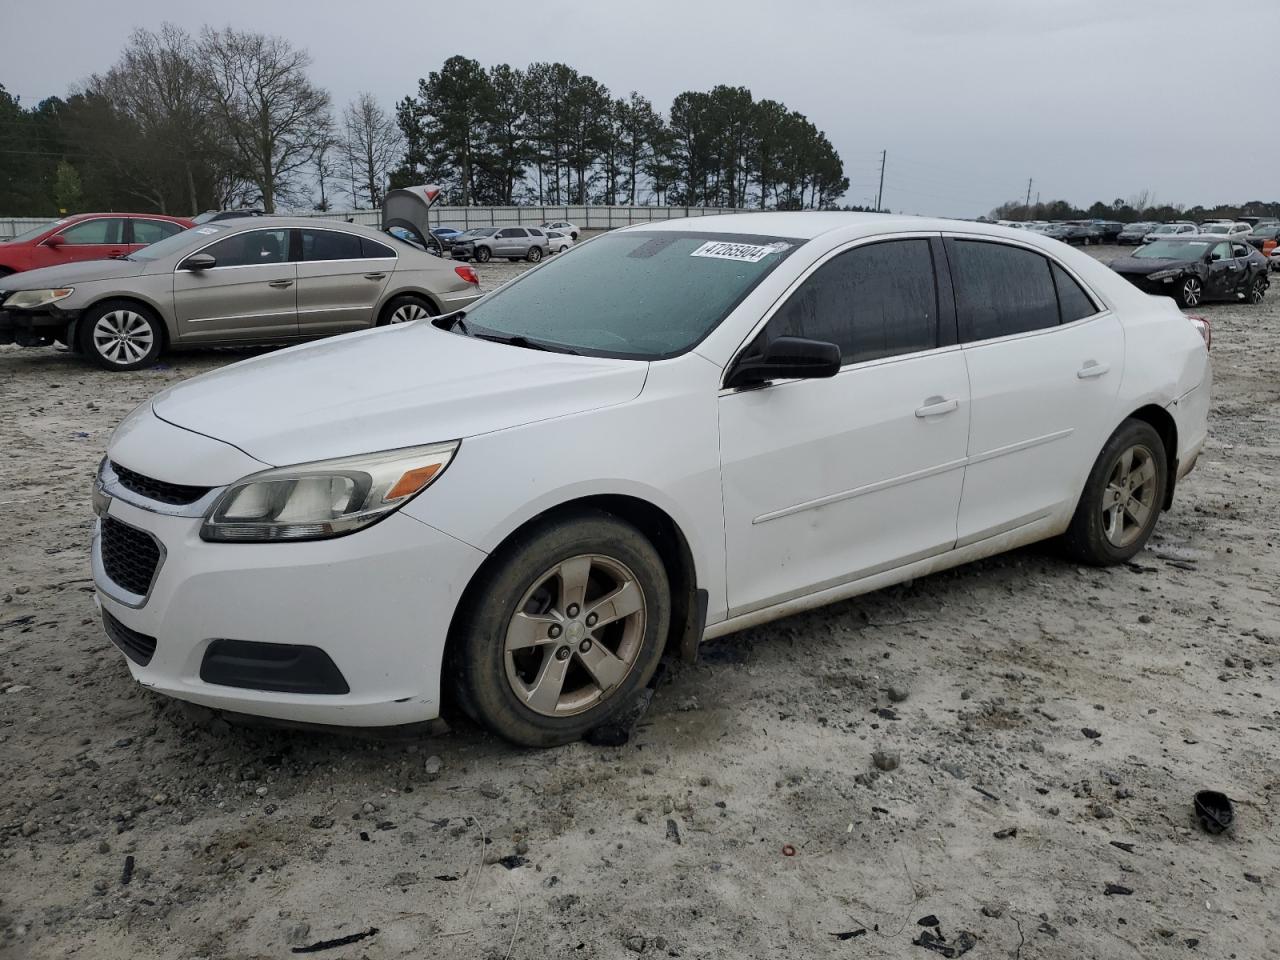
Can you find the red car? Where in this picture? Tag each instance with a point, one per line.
(86, 236)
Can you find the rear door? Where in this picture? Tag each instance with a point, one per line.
(250, 294)
(1044, 361)
(1223, 272)
(98, 239)
(341, 277)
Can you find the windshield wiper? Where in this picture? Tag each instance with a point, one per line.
(520, 340)
(453, 321)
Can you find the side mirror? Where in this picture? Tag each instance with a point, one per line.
(199, 261)
(56, 240)
(1215, 257)
(787, 358)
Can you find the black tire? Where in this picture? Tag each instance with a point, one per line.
(534, 255)
(141, 348)
(1190, 292)
(483, 254)
(1258, 289)
(408, 306)
(478, 662)
(1087, 539)
(573, 235)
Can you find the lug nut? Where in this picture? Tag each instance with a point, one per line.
(553, 631)
(592, 619)
(584, 646)
(562, 653)
(573, 610)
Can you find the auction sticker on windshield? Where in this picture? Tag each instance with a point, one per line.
(744, 252)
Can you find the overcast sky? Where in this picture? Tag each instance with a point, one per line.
(1093, 99)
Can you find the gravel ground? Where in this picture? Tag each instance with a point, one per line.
(1047, 726)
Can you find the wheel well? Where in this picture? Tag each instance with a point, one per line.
(1164, 425)
(164, 326)
(652, 522)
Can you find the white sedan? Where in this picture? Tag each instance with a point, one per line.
(558, 242)
(685, 429)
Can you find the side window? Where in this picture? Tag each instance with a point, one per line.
(1239, 250)
(251, 248)
(534, 232)
(874, 301)
(1222, 251)
(329, 245)
(1000, 290)
(373, 250)
(149, 231)
(511, 232)
(102, 230)
(1073, 302)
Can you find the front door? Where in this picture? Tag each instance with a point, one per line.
(249, 294)
(98, 239)
(1223, 272)
(341, 277)
(827, 481)
(1045, 364)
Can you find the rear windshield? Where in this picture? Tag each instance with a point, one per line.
(1173, 250)
(641, 295)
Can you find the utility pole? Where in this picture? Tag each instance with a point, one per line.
(1027, 207)
(880, 192)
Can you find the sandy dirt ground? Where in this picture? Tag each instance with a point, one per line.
(1051, 724)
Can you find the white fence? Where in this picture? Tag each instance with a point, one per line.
(463, 218)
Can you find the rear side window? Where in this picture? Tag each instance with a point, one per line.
(330, 245)
(1000, 290)
(149, 231)
(1073, 303)
(511, 232)
(874, 301)
(373, 250)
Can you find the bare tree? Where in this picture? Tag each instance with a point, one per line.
(268, 107)
(326, 166)
(372, 142)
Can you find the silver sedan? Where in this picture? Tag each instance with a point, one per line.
(253, 280)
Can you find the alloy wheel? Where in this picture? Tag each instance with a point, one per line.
(575, 635)
(1259, 291)
(1128, 501)
(1191, 292)
(123, 336)
(409, 312)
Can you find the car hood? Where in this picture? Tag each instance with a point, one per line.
(1142, 266)
(69, 274)
(386, 388)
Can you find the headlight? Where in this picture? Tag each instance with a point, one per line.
(1164, 275)
(29, 299)
(329, 498)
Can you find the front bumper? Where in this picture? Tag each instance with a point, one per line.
(34, 328)
(376, 603)
(1159, 288)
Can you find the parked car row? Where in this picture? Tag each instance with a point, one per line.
(482, 244)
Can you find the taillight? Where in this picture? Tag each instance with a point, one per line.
(1205, 330)
(467, 273)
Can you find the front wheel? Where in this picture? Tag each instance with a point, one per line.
(120, 335)
(1190, 292)
(483, 254)
(1122, 497)
(562, 631)
(534, 254)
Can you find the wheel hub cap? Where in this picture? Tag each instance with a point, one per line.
(1128, 504)
(123, 336)
(575, 635)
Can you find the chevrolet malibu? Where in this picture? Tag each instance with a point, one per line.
(669, 433)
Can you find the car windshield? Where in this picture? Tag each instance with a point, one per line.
(1265, 229)
(1173, 250)
(647, 294)
(34, 231)
(1215, 228)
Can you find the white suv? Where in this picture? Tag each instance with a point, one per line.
(684, 429)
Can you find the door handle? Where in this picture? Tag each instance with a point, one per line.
(1092, 369)
(279, 284)
(374, 276)
(936, 407)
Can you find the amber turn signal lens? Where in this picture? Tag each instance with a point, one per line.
(412, 482)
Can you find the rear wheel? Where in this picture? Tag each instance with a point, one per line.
(120, 335)
(406, 309)
(1258, 289)
(563, 631)
(534, 254)
(1190, 292)
(1122, 498)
